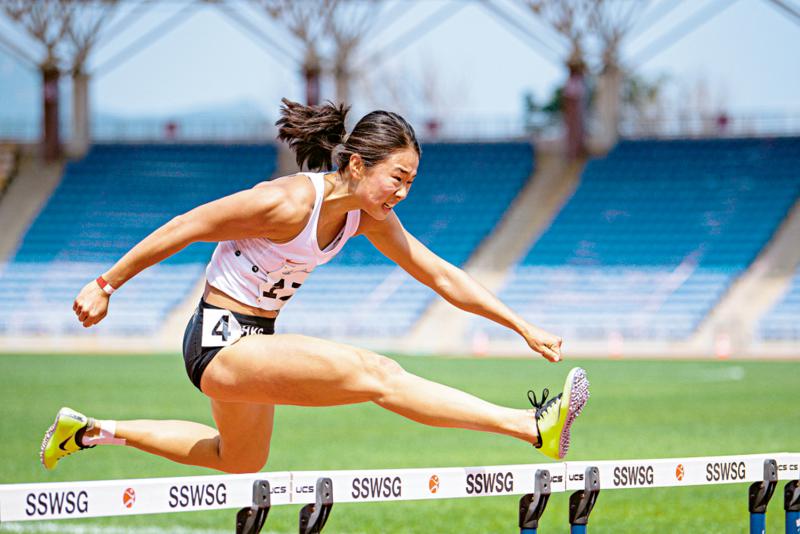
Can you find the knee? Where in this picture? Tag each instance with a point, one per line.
(381, 372)
(243, 465)
(237, 462)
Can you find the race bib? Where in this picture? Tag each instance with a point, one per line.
(220, 328)
(280, 286)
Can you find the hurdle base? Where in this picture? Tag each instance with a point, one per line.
(581, 502)
(791, 504)
(250, 520)
(314, 516)
(532, 505)
(759, 495)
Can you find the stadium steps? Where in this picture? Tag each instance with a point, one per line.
(731, 326)
(25, 197)
(443, 328)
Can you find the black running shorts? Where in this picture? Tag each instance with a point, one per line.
(212, 328)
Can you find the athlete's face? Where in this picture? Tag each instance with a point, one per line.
(385, 184)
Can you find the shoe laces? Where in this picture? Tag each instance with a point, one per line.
(542, 405)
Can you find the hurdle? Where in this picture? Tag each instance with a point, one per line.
(317, 491)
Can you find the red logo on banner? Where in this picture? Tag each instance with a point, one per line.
(129, 497)
(679, 472)
(433, 484)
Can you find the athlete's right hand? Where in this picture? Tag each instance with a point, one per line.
(91, 304)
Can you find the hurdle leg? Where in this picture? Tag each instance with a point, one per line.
(250, 520)
(314, 516)
(791, 504)
(581, 502)
(532, 505)
(759, 495)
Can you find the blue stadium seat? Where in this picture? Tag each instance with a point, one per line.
(118, 194)
(105, 204)
(460, 194)
(653, 236)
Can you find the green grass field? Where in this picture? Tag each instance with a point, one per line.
(638, 409)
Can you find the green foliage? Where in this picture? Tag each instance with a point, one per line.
(638, 409)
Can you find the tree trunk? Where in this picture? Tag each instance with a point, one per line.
(574, 94)
(80, 114)
(311, 72)
(342, 83)
(51, 145)
(607, 107)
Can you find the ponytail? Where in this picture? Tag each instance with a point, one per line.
(313, 132)
(316, 134)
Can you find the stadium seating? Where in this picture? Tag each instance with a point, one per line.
(119, 193)
(105, 204)
(782, 322)
(653, 236)
(460, 194)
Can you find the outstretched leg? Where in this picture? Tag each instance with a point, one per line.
(239, 444)
(246, 380)
(305, 371)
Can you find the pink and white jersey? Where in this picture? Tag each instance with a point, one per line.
(265, 275)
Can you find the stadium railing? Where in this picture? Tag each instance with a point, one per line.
(256, 493)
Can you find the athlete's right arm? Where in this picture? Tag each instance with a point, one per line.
(256, 212)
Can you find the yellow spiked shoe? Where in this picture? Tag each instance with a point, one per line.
(63, 437)
(554, 417)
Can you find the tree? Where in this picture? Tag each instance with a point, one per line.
(590, 25)
(307, 21)
(571, 20)
(83, 32)
(47, 22)
(348, 23)
(67, 30)
(610, 22)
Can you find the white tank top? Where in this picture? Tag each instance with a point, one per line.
(265, 275)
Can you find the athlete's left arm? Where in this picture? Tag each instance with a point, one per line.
(454, 285)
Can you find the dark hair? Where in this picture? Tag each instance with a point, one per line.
(317, 134)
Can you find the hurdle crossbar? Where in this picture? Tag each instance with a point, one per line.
(60, 500)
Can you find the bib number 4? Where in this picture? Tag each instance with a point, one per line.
(220, 328)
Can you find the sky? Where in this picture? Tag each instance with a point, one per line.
(746, 59)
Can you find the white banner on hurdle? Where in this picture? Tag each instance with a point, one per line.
(60, 500)
(667, 472)
(425, 483)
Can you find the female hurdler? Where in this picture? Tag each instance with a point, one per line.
(270, 237)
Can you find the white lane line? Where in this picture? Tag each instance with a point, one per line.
(59, 528)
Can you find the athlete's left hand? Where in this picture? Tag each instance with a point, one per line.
(545, 343)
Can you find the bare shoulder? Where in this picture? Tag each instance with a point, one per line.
(370, 226)
(288, 199)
